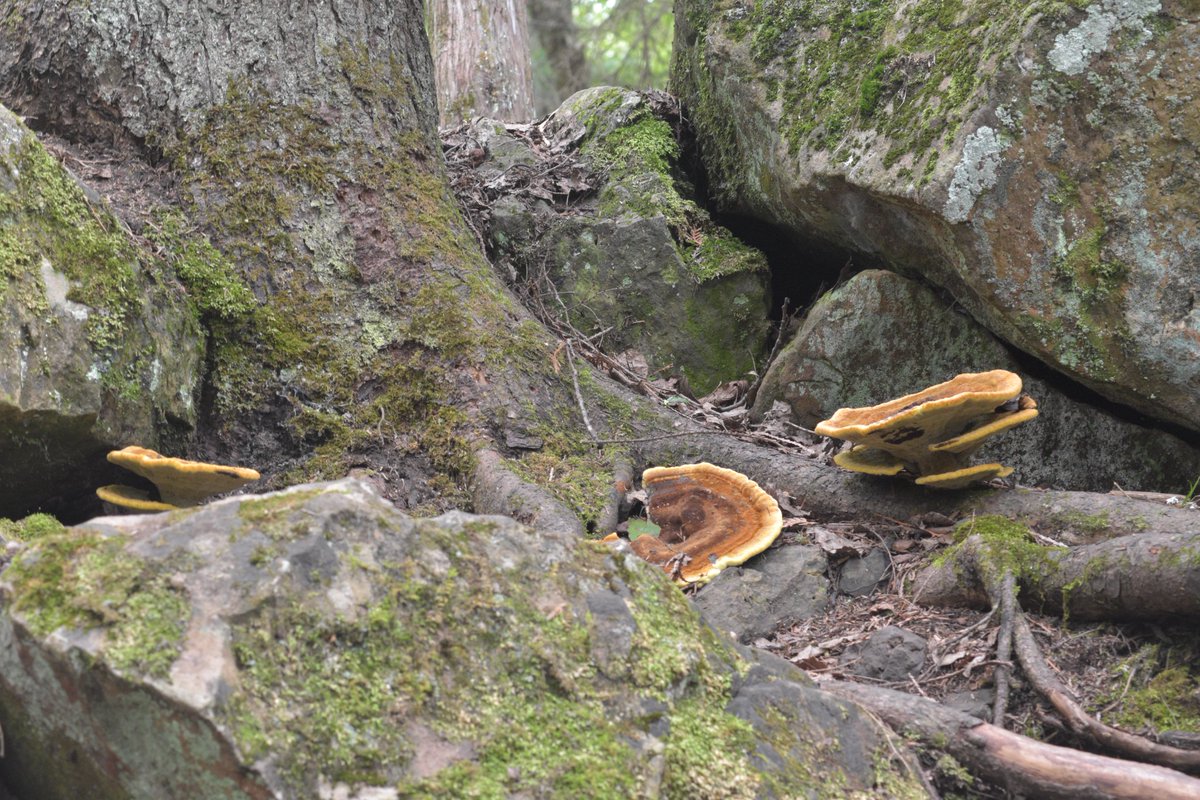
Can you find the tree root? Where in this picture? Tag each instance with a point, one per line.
(1079, 721)
(1148, 576)
(978, 558)
(1007, 759)
(495, 489)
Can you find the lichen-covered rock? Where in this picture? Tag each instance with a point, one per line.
(637, 258)
(316, 643)
(1038, 160)
(97, 348)
(881, 336)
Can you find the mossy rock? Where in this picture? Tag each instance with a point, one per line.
(317, 641)
(96, 349)
(1013, 154)
(639, 258)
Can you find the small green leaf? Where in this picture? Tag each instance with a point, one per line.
(642, 527)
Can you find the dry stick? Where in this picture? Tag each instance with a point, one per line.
(752, 392)
(1015, 762)
(1082, 723)
(1004, 646)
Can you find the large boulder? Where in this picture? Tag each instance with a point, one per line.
(637, 258)
(98, 348)
(1038, 160)
(881, 336)
(317, 643)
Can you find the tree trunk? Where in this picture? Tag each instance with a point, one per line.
(553, 25)
(302, 138)
(481, 53)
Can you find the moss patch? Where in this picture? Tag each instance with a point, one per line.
(31, 528)
(1157, 687)
(81, 579)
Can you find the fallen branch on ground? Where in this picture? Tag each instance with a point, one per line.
(1018, 763)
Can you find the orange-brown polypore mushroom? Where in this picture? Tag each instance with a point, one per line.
(931, 434)
(181, 482)
(709, 517)
(127, 497)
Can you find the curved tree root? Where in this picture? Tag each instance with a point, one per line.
(976, 558)
(1144, 577)
(495, 489)
(1082, 723)
(1017, 762)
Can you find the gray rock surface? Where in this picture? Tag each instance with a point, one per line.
(890, 654)
(638, 257)
(316, 643)
(97, 348)
(775, 588)
(1037, 160)
(881, 336)
(859, 576)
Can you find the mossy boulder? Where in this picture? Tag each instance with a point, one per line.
(881, 336)
(637, 257)
(1037, 160)
(318, 643)
(98, 347)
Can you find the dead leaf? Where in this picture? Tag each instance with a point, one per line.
(836, 546)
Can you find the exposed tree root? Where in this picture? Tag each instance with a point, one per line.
(1018, 763)
(1147, 576)
(1082, 723)
(1008, 611)
(496, 489)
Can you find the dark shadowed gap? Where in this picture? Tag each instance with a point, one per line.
(802, 269)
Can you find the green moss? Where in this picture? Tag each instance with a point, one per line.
(911, 73)
(31, 528)
(576, 473)
(707, 755)
(502, 670)
(1157, 687)
(80, 579)
(1084, 523)
(1007, 547)
(48, 217)
(212, 279)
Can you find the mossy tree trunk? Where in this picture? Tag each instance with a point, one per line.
(351, 315)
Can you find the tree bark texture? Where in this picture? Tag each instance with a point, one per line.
(1145, 576)
(553, 25)
(1021, 765)
(303, 140)
(481, 53)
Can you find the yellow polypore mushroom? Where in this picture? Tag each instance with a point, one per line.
(181, 482)
(709, 517)
(932, 433)
(136, 500)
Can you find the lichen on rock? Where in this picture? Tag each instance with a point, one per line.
(316, 641)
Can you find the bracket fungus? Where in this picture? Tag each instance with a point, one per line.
(709, 517)
(181, 482)
(127, 497)
(932, 434)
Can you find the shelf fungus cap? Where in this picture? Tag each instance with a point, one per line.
(127, 497)
(962, 478)
(181, 482)
(931, 433)
(709, 517)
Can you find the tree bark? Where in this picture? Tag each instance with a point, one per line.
(1022, 765)
(553, 25)
(481, 53)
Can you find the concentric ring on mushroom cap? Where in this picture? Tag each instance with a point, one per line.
(181, 482)
(717, 517)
